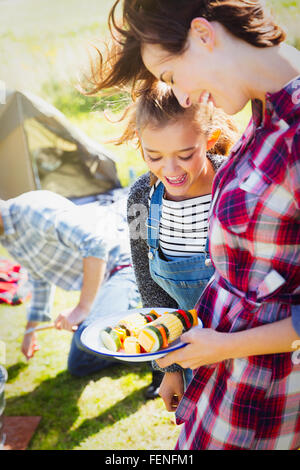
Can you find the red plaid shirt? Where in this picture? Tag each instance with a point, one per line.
(253, 402)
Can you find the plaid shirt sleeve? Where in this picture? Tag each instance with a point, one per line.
(82, 234)
(294, 171)
(39, 309)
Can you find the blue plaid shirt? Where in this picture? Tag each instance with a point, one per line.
(49, 236)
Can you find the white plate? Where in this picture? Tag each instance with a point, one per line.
(90, 337)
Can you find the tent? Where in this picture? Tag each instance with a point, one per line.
(41, 149)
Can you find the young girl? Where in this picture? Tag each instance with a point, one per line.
(245, 389)
(183, 148)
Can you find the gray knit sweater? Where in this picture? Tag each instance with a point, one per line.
(152, 295)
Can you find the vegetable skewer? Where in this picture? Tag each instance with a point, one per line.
(164, 330)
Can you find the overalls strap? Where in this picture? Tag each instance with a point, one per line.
(154, 218)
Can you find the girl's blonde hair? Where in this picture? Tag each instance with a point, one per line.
(158, 107)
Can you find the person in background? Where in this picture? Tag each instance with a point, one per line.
(78, 248)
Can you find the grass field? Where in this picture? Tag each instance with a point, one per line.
(102, 411)
(42, 47)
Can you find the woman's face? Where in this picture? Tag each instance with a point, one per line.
(176, 155)
(201, 68)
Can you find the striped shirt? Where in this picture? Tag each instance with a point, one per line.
(183, 225)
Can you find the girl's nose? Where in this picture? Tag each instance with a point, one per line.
(170, 167)
(182, 98)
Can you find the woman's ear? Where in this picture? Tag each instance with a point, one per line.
(213, 139)
(203, 30)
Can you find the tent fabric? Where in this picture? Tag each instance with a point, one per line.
(41, 149)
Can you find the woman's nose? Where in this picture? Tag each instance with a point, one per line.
(182, 98)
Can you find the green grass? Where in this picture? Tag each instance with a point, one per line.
(106, 410)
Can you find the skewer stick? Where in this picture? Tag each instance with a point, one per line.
(38, 328)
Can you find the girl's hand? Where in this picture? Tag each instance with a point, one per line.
(171, 389)
(205, 346)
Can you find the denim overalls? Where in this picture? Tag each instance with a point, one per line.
(184, 279)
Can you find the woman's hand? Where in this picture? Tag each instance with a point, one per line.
(171, 389)
(205, 346)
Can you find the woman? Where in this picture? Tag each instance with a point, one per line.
(183, 148)
(245, 389)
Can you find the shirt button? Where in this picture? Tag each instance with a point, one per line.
(150, 255)
(208, 262)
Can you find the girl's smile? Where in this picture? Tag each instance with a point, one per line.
(177, 180)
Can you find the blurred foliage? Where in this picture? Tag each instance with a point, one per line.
(44, 45)
(70, 101)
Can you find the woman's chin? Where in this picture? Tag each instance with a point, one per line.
(231, 107)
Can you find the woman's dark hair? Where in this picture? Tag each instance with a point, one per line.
(167, 22)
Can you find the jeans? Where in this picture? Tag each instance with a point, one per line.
(118, 293)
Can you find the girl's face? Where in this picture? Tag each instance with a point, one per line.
(176, 155)
(201, 68)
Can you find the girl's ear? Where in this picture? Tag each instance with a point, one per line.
(203, 30)
(213, 139)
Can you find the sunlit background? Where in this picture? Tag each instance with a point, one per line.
(43, 49)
